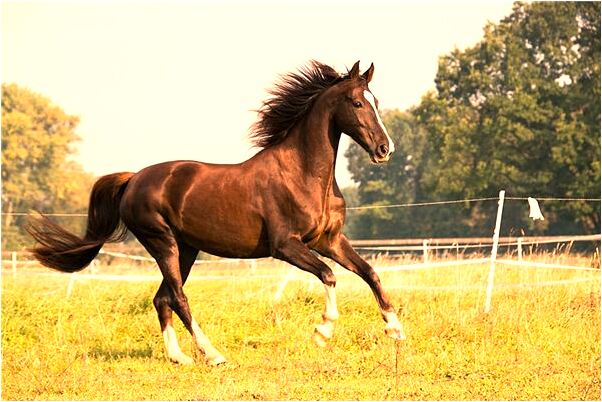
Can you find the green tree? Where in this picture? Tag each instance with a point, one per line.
(530, 95)
(37, 172)
(519, 111)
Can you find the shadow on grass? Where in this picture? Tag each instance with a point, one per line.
(103, 353)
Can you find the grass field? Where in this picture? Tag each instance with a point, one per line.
(537, 343)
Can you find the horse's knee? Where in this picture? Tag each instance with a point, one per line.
(178, 303)
(328, 278)
(160, 301)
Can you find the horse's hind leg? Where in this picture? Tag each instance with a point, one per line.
(187, 256)
(173, 273)
(172, 348)
(162, 303)
(175, 261)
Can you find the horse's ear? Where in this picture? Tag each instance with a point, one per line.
(355, 70)
(368, 74)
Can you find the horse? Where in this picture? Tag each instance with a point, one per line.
(283, 202)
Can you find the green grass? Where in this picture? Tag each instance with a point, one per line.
(104, 342)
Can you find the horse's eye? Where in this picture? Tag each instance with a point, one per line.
(357, 104)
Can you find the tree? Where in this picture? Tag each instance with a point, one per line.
(530, 92)
(519, 111)
(37, 174)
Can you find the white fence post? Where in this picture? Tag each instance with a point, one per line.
(519, 243)
(283, 284)
(13, 257)
(496, 238)
(425, 250)
(70, 285)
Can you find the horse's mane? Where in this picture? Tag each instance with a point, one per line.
(290, 100)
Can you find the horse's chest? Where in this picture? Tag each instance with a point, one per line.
(328, 220)
(307, 214)
(315, 228)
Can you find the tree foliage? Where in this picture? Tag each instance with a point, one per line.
(37, 172)
(519, 111)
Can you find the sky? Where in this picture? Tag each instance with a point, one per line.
(156, 81)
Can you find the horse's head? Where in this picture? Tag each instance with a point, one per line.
(356, 114)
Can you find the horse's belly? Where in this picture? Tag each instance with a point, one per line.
(232, 238)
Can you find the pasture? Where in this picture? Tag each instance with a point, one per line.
(104, 342)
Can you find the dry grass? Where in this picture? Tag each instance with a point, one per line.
(539, 342)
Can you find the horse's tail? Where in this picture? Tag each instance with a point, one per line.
(62, 250)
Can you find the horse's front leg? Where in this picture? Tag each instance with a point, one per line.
(338, 248)
(293, 251)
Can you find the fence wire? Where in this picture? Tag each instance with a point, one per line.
(364, 207)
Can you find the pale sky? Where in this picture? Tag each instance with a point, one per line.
(158, 81)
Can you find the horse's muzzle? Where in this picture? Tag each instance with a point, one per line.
(382, 154)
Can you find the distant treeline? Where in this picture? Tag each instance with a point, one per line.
(519, 111)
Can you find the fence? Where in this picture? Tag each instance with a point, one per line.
(424, 245)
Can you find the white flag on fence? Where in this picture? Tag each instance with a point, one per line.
(534, 211)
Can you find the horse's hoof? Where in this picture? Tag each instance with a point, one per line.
(319, 338)
(217, 361)
(395, 333)
(182, 359)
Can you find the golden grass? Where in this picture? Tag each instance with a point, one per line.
(538, 342)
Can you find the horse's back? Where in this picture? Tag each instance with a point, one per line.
(148, 188)
(212, 207)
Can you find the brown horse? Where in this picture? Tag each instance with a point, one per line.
(284, 202)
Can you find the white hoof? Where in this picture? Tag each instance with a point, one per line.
(181, 358)
(216, 360)
(394, 329)
(395, 333)
(323, 333)
(320, 339)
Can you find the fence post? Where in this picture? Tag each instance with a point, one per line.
(425, 251)
(70, 284)
(13, 257)
(496, 238)
(283, 284)
(519, 243)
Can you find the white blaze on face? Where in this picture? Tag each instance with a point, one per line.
(370, 98)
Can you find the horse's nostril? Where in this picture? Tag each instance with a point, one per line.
(383, 150)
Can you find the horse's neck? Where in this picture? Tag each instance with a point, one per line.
(311, 147)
